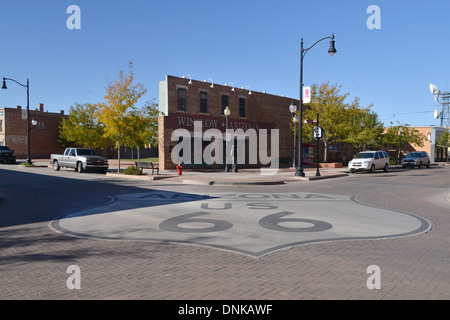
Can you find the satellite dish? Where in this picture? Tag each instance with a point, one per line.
(436, 114)
(435, 91)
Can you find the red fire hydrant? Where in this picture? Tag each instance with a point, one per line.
(180, 169)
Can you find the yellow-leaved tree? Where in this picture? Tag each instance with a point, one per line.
(119, 108)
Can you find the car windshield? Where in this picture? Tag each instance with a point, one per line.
(413, 155)
(4, 148)
(365, 155)
(86, 152)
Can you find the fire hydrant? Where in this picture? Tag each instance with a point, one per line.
(180, 169)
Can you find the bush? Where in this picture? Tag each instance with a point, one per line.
(132, 170)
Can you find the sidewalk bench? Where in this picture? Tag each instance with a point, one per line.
(148, 165)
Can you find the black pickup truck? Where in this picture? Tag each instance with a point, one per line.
(7, 155)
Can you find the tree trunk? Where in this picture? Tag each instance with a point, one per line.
(325, 153)
(118, 156)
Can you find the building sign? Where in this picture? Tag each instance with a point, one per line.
(176, 121)
(24, 115)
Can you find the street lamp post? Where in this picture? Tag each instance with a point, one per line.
(293, 109)
(303, 52)
(27, 86)
(226, 112)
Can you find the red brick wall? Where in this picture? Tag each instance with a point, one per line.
(43, 138)
(265, 110)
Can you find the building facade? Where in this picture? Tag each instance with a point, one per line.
(184, 103)
(43, 137)
(436, 152)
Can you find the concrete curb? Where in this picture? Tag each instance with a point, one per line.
(231, 183)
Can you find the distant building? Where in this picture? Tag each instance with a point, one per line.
(436, 152)
(43, 137)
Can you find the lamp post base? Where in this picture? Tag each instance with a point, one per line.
(299, 173)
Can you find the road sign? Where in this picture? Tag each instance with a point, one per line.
(318, 133)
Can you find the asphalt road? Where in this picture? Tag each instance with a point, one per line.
(50, 221)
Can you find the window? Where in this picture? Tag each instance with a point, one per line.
(225, 100)
(1, 125)
(182, 97)
(203, 102)
(242, 107)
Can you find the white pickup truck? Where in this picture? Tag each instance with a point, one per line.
(80, 159)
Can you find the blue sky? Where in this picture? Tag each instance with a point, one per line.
(254, 43)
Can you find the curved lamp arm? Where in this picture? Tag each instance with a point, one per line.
(332, 50)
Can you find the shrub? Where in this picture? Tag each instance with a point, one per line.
(132, 170)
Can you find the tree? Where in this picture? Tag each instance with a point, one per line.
(367, 131)
(143, 127)
(443, 140)
(392, 135)
(339, 120)
(118, 111)
(82, 128)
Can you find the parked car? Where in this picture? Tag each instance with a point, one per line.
(81, 159)
(7, 155)
(369, 161)
(419, 159)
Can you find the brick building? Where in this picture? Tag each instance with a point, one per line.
(183, 101)
(43, 137)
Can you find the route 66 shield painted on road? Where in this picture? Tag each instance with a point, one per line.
(250, 223)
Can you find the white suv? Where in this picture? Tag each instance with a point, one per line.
(369, 161)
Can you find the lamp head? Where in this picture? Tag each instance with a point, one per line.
(292, 108)
(227, 111)
(332, 50)
(34, 122)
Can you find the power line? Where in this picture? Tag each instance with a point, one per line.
(393, 115)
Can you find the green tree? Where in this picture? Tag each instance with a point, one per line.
(340, 120)
(367, 131)
(143, 127)
(408, 134)
(82, 128)
(119, 109)
(443, 140)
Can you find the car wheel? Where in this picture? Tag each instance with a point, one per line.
(372, 169)
(386, 168)
(420, 165)
(80, 167)
(56, 166)
(428, 165)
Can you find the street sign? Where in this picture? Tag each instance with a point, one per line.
(318, 133)
(306, 94)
